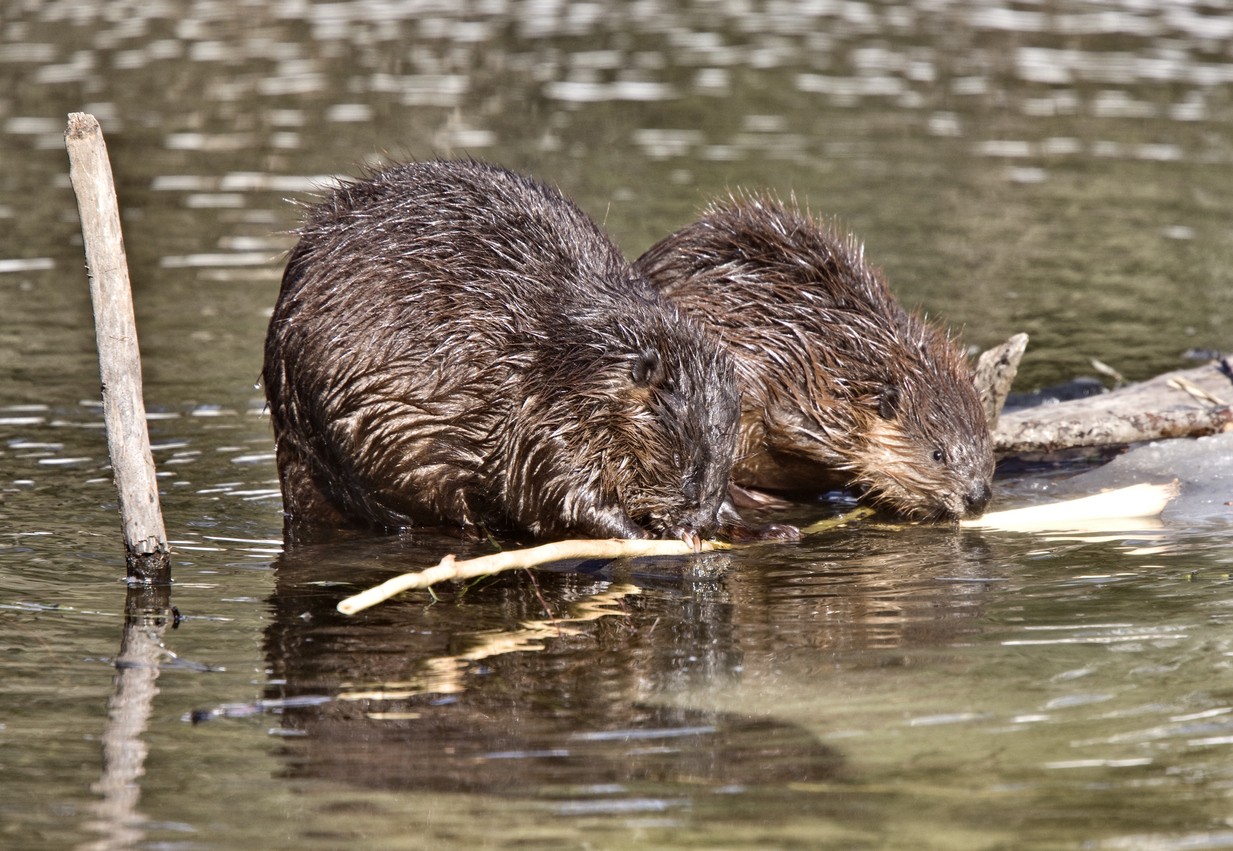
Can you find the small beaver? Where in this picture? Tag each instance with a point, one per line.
(841, 386)
(458, 346)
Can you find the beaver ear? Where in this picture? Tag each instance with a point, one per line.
(888, 402)
(648, 369)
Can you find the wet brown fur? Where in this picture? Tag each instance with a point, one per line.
(841, 386)
(458, 346)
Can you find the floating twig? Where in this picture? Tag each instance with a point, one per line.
(451, 569)
(1131, 503)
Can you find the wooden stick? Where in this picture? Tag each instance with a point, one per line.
(124, 412)
(1129, 504)
(487, 565)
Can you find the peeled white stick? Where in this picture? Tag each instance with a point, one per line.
(1137, 502)
(487, 565)
(1134, 503)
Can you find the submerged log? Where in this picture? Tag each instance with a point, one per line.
(1184, 403)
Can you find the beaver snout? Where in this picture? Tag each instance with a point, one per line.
(977, 499)
(840, 385)
(687, 534)
(693, 523)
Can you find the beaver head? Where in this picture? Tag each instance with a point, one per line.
(626, 423)
(841, 386)
(912, 439)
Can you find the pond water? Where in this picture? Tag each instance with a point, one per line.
(1064, 169)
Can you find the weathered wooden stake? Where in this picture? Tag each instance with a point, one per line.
(119, 360)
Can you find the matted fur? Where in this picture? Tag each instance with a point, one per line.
(456, 345)
(841, 386)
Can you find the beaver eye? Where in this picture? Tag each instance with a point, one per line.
(939, 457)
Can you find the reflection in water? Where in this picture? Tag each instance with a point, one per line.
(482, 691)
(485, 693)
(118, 819)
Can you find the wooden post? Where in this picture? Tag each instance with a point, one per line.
(124, 411)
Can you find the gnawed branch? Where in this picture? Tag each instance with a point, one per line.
(1126, 506)
(450, 569)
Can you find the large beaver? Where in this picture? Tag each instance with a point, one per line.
(842, 386)
(458, 346)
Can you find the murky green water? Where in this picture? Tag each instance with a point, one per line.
(1064, 169)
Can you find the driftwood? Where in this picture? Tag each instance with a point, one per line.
(995, 372)
(119, 360)
(1114, 509)
(1185, 403)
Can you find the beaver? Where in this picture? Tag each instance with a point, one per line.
(458, 346)
(841, 386)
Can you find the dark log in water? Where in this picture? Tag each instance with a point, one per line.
(1185, 403)
(124, 412)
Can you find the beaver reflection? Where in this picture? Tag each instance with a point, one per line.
(481, 692)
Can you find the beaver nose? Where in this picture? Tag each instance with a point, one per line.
(975, 500)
